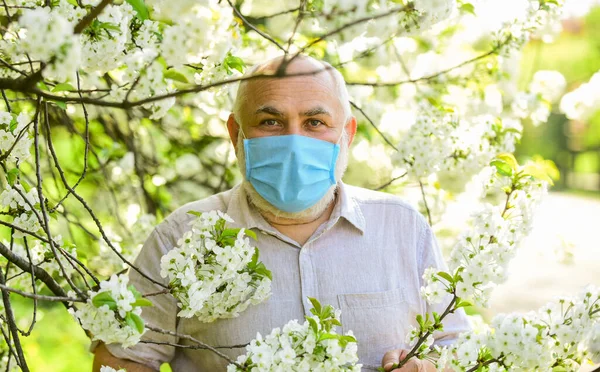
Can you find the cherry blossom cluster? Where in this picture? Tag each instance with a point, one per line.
(545, 89)
(582, 103)
(479, 258)
(22, 205)
(144, 57)
(110, 369)
(42, 256)
(559, 335)
(15, 138)
(311, 346)
(441, 142)
(214, 271)
(112, 314)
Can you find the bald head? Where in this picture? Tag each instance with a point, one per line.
(309, 70)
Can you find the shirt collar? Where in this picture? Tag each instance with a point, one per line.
(244, 215)
(349, 208)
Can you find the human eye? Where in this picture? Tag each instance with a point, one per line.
(314, 123)
(269, 123)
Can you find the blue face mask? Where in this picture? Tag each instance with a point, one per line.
(291, 172)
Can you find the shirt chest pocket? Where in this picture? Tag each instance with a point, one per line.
(379, 321)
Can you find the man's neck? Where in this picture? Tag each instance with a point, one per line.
(300, 230)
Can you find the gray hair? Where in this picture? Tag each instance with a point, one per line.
(340, 87)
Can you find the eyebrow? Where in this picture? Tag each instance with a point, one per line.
(316, 111)
(275, 112)
(269, 110)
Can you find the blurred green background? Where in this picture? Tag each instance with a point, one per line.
(59, 344)
(573, 146)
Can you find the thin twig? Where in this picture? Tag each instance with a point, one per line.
(493, 51)
(298, 21)
(40, 273)
(46, 223)
(85, 21)
(33, 287)
(200, 344)
(254, 28)
(41, 297)
(425, 202)
(391, 181)
(12, 325)
(374, 126)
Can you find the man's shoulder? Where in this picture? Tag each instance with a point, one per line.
(366, 196)
(375, 203)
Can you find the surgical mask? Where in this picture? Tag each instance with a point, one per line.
(291, 172)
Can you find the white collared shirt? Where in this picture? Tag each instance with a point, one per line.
(367, 260)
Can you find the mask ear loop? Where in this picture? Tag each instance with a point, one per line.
(336, 152)
(241, 130)
(342, 136)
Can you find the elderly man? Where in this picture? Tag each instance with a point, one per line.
(361, 251)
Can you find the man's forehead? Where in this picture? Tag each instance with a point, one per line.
(303, 70)
(285, 96)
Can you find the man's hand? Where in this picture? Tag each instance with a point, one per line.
(394, 357)
(104, 358)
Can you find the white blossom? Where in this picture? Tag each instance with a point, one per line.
(294, 347)
(583, 102)
(112, 314)
(214, 271)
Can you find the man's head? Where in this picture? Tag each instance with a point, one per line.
(313, 104)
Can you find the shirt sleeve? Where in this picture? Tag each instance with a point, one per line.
(163, 313)
(431, 256)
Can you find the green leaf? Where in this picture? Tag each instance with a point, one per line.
(142, 302)
(60, 104)
(327, 312)
(165, 367)
(13, 125)
(25, 185)
(539, 170)
(235, 63)
(63, 87)
(262, 270)
(329, 336)
(468, 8)
(254, 262)
(133, 290)
(316, 304)
(250, 234)
(104, 298)
(512, 130)
(433, 102)
(344, 340)
(198, 214)
(509, 159)
(463, 304)
(502, 167)
(109, 26)
(135, 322)
(175, 75)
(313, 324)
(230, 232)
(42, 86)
(140, 8)
(446, 276)
(12, 176)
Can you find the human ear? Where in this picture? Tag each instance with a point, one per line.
(350, 128)
(234, 129)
